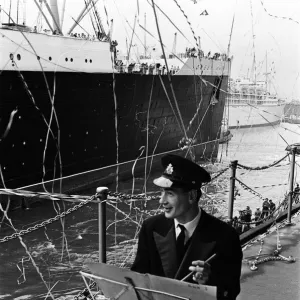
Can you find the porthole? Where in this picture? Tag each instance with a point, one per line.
(86, 60)
(11, 56)
(71, 59)
(18, 57)
(90, 60)
(50, 58)
(66, 59)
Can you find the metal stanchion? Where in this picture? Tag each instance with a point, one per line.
(291, 185)
(102, 196)
(233, 167)
(293, 150)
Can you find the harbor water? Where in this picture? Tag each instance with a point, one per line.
(45, 263)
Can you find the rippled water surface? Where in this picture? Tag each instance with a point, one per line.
(49, 259)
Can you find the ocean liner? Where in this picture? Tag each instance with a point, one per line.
(69, 115)
(249, 104)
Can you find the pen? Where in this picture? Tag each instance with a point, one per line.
(210, 258)
(205, 262)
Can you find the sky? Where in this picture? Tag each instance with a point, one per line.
(266, 29)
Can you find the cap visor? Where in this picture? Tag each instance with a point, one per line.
(163, 182)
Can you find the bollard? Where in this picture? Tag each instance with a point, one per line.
(233, 166)
(102, 197)
(291, 186)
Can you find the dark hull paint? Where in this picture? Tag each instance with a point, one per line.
(83, 129)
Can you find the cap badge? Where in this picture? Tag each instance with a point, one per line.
(169, 169)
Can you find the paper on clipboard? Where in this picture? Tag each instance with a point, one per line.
(124, 284)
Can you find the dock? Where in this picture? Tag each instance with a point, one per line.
(273, 280)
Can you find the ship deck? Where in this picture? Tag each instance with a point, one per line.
(273, 280)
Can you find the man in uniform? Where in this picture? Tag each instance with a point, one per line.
(181, 239)
(257, 215)
(248, 214)
(272, 206)
(296, 194)
(265, 208)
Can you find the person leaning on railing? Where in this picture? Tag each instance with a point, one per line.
(272, 206)
(265, 208)
(257, 215)
(296, 193)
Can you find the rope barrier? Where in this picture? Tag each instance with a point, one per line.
(277, 17)
(219, 174)
(74, 198)
(249, 189)
(275, 256)
(49, 221)
(263, 167)
(270, 185)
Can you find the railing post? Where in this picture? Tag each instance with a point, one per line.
(233, 167)
(102, 197)
(291, 185)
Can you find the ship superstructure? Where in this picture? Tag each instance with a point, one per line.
(250, 104)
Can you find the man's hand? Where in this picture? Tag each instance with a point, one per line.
(202, 271)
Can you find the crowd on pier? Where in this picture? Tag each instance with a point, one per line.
(242, 222)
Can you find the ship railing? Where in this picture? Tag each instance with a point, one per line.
(114, 197)
(145, 70)
(245, 101)
(105, 198)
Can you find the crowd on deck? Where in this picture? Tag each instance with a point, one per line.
(145, 68)
(91, 37)
(267, 209)
(192, 52)
(189, 52)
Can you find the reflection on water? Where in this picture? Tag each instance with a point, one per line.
(60, 250)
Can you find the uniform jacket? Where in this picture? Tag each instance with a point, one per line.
(156, 252)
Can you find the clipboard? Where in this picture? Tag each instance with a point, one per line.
(123, 284)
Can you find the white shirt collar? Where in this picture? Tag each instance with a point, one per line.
(190, 226)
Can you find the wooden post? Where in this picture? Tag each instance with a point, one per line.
(233, 166)
(102, 197)
(291, 185)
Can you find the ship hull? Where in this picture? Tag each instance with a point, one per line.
(65, 125)
(245, 116)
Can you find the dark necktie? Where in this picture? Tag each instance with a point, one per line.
(180, 244)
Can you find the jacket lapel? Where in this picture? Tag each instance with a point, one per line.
(166, 246)
(201, 247)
